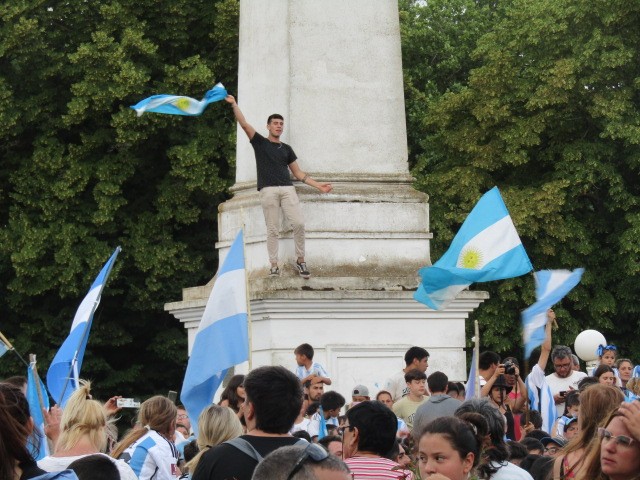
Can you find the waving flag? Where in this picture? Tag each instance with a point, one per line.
(551, 287)
(64, 372)
(541, 398)
(222, 339)
(178, 104)
(470, 387)
(3, 348)
(486, 248)
(38, 399)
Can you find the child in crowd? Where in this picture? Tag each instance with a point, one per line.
(308, 370)
(330, 405)
(607, 356)
(571, 408)
(570, 428)
(406, 407)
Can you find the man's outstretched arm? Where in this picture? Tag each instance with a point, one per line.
(248, 129)
(304, 178)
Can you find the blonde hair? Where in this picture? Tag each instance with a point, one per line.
(216, 425)
(157, 413)
(82, 417)
(633, 385)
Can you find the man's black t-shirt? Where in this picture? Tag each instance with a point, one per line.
(226, 462)
(272, 162)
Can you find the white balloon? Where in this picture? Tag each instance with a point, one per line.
(587, 343)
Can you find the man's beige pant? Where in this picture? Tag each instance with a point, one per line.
(273, 199)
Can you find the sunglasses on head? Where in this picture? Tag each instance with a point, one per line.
(605, 435)
(314, 452)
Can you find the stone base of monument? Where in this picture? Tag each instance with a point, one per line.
(366, 242)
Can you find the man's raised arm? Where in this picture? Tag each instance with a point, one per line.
(248, 129)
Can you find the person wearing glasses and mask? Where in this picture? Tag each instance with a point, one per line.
(302, 463)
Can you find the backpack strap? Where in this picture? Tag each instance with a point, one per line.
(245, 447)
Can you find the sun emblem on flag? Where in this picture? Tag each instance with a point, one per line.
(182, 104)
(471, 258)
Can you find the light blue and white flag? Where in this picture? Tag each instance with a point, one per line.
(541, 398)
(470, 387)
(38, 399)
(64, 372)
(486, 248)
(222, 340)
(3, 348)
(179, 104)
(551, 287)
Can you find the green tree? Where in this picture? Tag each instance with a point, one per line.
(82, 174)
(549, 112)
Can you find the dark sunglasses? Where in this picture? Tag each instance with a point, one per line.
(605, 435)
(314, 452)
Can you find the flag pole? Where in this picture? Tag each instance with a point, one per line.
(34, 369)
(248, 296)
(12, 348)
(477, 357)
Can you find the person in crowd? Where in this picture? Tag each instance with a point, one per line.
(399, 455)
(497, 397)
(330, 405)
(368, 436)
(495, 463)
(571, 429)
(17, 436)
(406, 407)
(517, 452)
(307, 369)
(605, 374)
(275, 160)
(189, 452)
(607, 355)
(553, 445)
(301, 423)
(273, 401)
(183, 427)
(18, 381)
(453, 390)
(385, 397)
(489, 369)
(576, 362)
(541, 468)
(517, 392)
(439, 403)
(414, 358)
(450, 447)
(95, 467)
(586, 382)
(564, 378)
(533, 445)
(233, 395)
(360, 393)
(615, 455)
(633, 386)
(82, 432)
(310, 462)
(531, 420)
(631, 412)
(571, 410)
(333, 444)
(625, 369)
(313, 390)
(148, 448)
(596, 402)
(537, 434)
(216, 424)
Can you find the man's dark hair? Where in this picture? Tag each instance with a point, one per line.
(325, 441)
(487, 359)
(417, 353)
(536, 434)
(517, 450)
(414, 374)
(437, 382)
(532, 444)
(376, 426)
(190, 450)
(587, 382)
(534, 417)
(451, 387)
(302, 434)
(394, 452)
(271, 117)
(305, 349)
(95, 467)
(331, 400)
(561, 351)
(276, 396)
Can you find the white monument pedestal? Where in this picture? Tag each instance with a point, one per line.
(333, 69)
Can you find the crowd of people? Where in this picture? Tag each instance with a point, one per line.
(275, 423)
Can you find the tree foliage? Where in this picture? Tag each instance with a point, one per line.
(544, 104)
(82, 174)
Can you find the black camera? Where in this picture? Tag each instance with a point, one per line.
(509, 367)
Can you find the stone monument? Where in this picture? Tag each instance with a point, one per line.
(333, 69)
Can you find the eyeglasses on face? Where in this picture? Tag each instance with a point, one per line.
(314, 452)
(552, 450)
(182, 416)
(341, 430)
(622, 440)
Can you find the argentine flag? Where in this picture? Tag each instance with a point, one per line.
(178, 104)
(222, 340)
(551, 287)
(38, 399)
(64, 372)
(487, 247)
(3, 348)
(541, 398)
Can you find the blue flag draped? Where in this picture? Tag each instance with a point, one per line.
(486, 248)
(64, 372)
(470, 387)
(179, 104)
(551, 287)
(38, 399)
(222, 340)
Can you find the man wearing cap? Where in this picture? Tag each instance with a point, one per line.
(552, 445)
(360, 393)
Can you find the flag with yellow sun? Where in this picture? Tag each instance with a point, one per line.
(486, 248)
(179, 104)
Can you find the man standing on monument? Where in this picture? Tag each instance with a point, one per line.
(274, 160)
